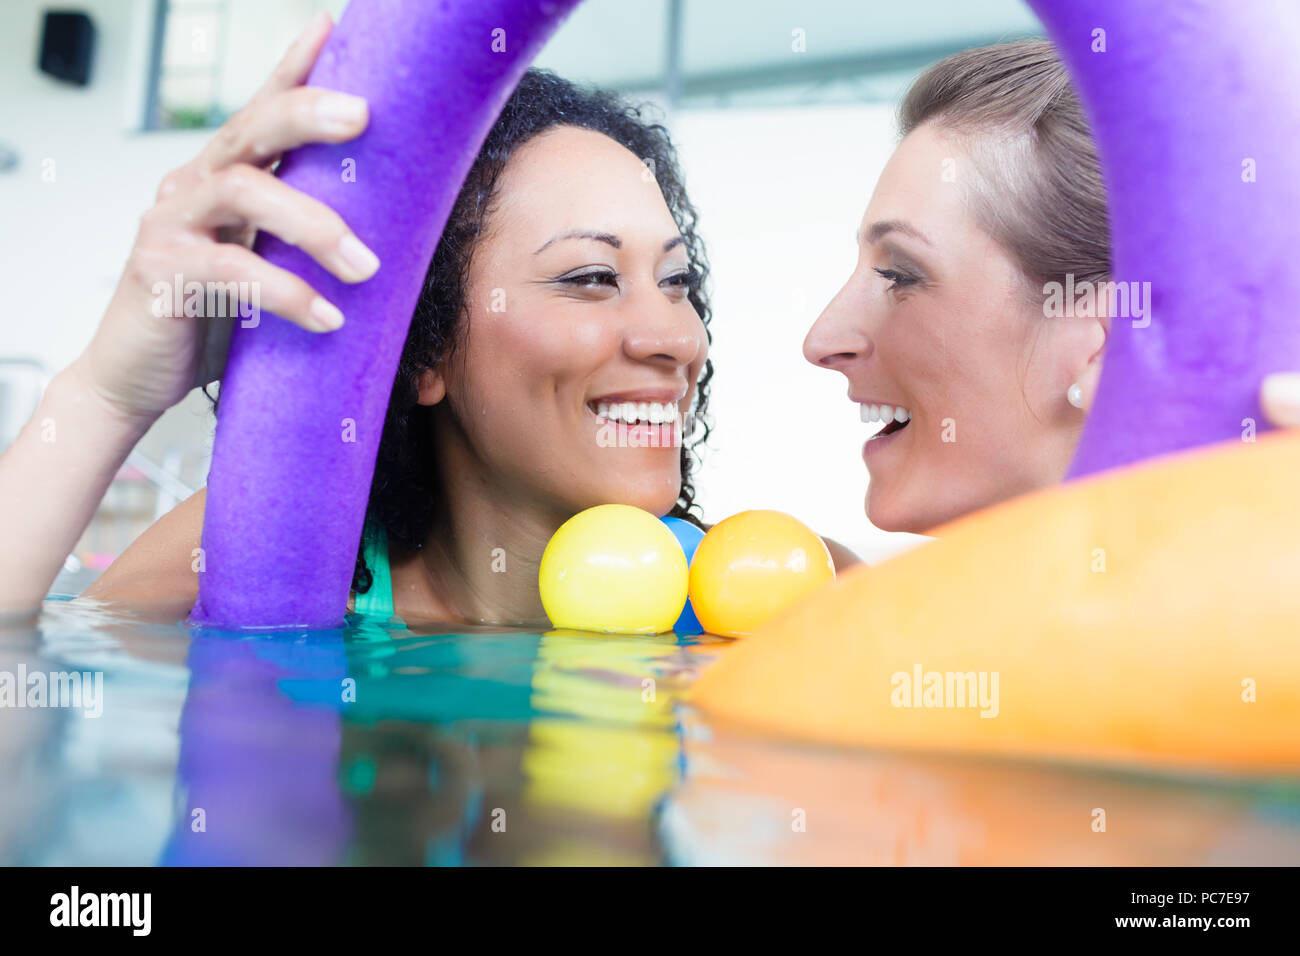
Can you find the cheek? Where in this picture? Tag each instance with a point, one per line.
(573, 338)
(918, 354)
(696, 368)
(968, 364)
(525, 375)
(534, 352)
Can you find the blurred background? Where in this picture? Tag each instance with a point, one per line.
(783, 111)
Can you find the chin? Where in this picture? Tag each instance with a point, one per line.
(657, 503)
(655, 496)
(917, 517)
(640, 489)
(895, 516)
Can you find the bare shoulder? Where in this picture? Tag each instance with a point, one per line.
(158, 567)
(843, 557)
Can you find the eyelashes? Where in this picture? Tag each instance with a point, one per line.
(591, 280)
(688, 280)
(898, 280)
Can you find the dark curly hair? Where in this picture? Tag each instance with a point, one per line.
(406, 490)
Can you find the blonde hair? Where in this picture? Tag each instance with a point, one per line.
(1036, 186)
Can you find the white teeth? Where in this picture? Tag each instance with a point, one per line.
(883, 414)
(651, 413)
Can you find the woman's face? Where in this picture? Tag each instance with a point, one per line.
(938, 320)
(581, 350)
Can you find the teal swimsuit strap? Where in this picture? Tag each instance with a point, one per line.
(378, 601)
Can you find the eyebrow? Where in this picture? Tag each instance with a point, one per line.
(878, 230)
(605, 237)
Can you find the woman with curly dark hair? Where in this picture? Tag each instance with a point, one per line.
(557, 346)
(557, 351)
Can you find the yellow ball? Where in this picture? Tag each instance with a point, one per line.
(615, 569)
(753, 566)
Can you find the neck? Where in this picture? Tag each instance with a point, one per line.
(482, 555)
(482, 559)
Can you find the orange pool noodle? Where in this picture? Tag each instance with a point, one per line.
(1149, 616)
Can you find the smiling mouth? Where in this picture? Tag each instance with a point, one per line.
(635, 413)
(894, 417)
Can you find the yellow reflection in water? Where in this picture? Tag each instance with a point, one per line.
(623, 752)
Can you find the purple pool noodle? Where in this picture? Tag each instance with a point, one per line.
(1186, 95)
(287, 489)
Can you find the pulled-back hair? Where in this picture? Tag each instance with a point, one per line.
(1036, 186)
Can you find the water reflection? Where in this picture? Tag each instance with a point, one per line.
(607, 749)
(257, 778)
(752, 801)
(512, 747)
(378, 744)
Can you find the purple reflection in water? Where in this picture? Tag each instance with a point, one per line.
(257, 779)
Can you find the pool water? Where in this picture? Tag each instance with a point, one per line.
(374, 744)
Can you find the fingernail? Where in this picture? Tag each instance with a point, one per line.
(1281, 398)
(343, 109)
(358, 257)
(327, 316)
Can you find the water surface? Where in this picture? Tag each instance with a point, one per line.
(378, 744)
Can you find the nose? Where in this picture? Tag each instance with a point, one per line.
(840, 336)
(663, 332)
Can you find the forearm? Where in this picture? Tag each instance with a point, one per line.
(52, 479)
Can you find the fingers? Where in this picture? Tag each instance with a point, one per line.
(274, 124)
(283, 114)
(247, 196)
(1280, 398)
(223, 189)
(301, 56)
(247, 283)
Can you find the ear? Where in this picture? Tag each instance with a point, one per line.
(430, 386)
(1092, 333)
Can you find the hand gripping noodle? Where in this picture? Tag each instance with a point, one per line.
(301, 413)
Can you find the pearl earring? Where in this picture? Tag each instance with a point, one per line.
(1074, 395)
